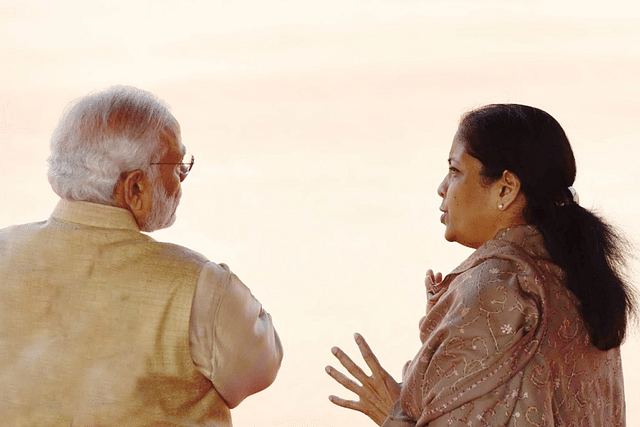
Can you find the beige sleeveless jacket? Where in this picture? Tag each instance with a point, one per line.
(94, 328)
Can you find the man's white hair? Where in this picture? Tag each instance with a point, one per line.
(103, 135)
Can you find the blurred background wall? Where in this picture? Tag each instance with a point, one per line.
(321, 130)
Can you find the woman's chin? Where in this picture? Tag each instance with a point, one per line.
(449, 236)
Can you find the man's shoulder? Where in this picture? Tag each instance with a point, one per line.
(110, 246)
(21, 228)
(172, 251)
(19, 233)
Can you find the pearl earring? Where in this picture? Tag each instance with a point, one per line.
(501, 206)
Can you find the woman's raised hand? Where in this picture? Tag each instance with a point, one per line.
(377, 392)
(430, 281)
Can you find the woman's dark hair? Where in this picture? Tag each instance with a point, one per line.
(532, 144)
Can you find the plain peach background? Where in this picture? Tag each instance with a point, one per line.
(321, 131)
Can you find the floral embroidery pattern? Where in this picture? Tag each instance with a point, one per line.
(506, 329)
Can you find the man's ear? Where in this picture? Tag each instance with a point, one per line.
(509, 188)
(134, 192)
(134, 187)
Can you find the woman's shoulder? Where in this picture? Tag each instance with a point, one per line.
(512, 249)
(525, 241)
(488, 280)
(503, 267)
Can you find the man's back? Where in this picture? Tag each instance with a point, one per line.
(95, 325)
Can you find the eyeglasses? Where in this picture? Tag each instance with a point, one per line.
(185, 167)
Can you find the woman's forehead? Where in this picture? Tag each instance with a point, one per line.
(458, 149)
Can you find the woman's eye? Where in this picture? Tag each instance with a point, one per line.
(453, 170)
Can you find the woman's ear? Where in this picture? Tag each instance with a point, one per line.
(509, 188)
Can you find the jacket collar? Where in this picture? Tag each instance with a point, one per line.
(94, 215)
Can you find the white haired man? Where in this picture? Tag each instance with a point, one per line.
(101, 325)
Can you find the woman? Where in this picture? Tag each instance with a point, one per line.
(526, 331)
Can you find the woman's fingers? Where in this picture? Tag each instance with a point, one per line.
(368, 385)
(368, 402)
(367, 354)
(380, 377)
(349, 404)
(377, 393)
(349, 365)
(432, 278)
(371, 411)
(343, 380)
(349, 384)
(429, 278)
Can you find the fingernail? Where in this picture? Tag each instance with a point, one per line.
(334, 350)
(357, 336)
(327, 369)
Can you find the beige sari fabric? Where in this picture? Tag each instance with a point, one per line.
(504, 345)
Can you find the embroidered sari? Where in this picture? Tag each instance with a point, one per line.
(503, 344)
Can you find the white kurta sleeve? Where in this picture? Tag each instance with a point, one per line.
(232, 338)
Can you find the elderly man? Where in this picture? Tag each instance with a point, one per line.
(101, 325)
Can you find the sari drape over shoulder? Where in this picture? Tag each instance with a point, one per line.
(503, 344)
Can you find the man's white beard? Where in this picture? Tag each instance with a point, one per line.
(163, 209)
